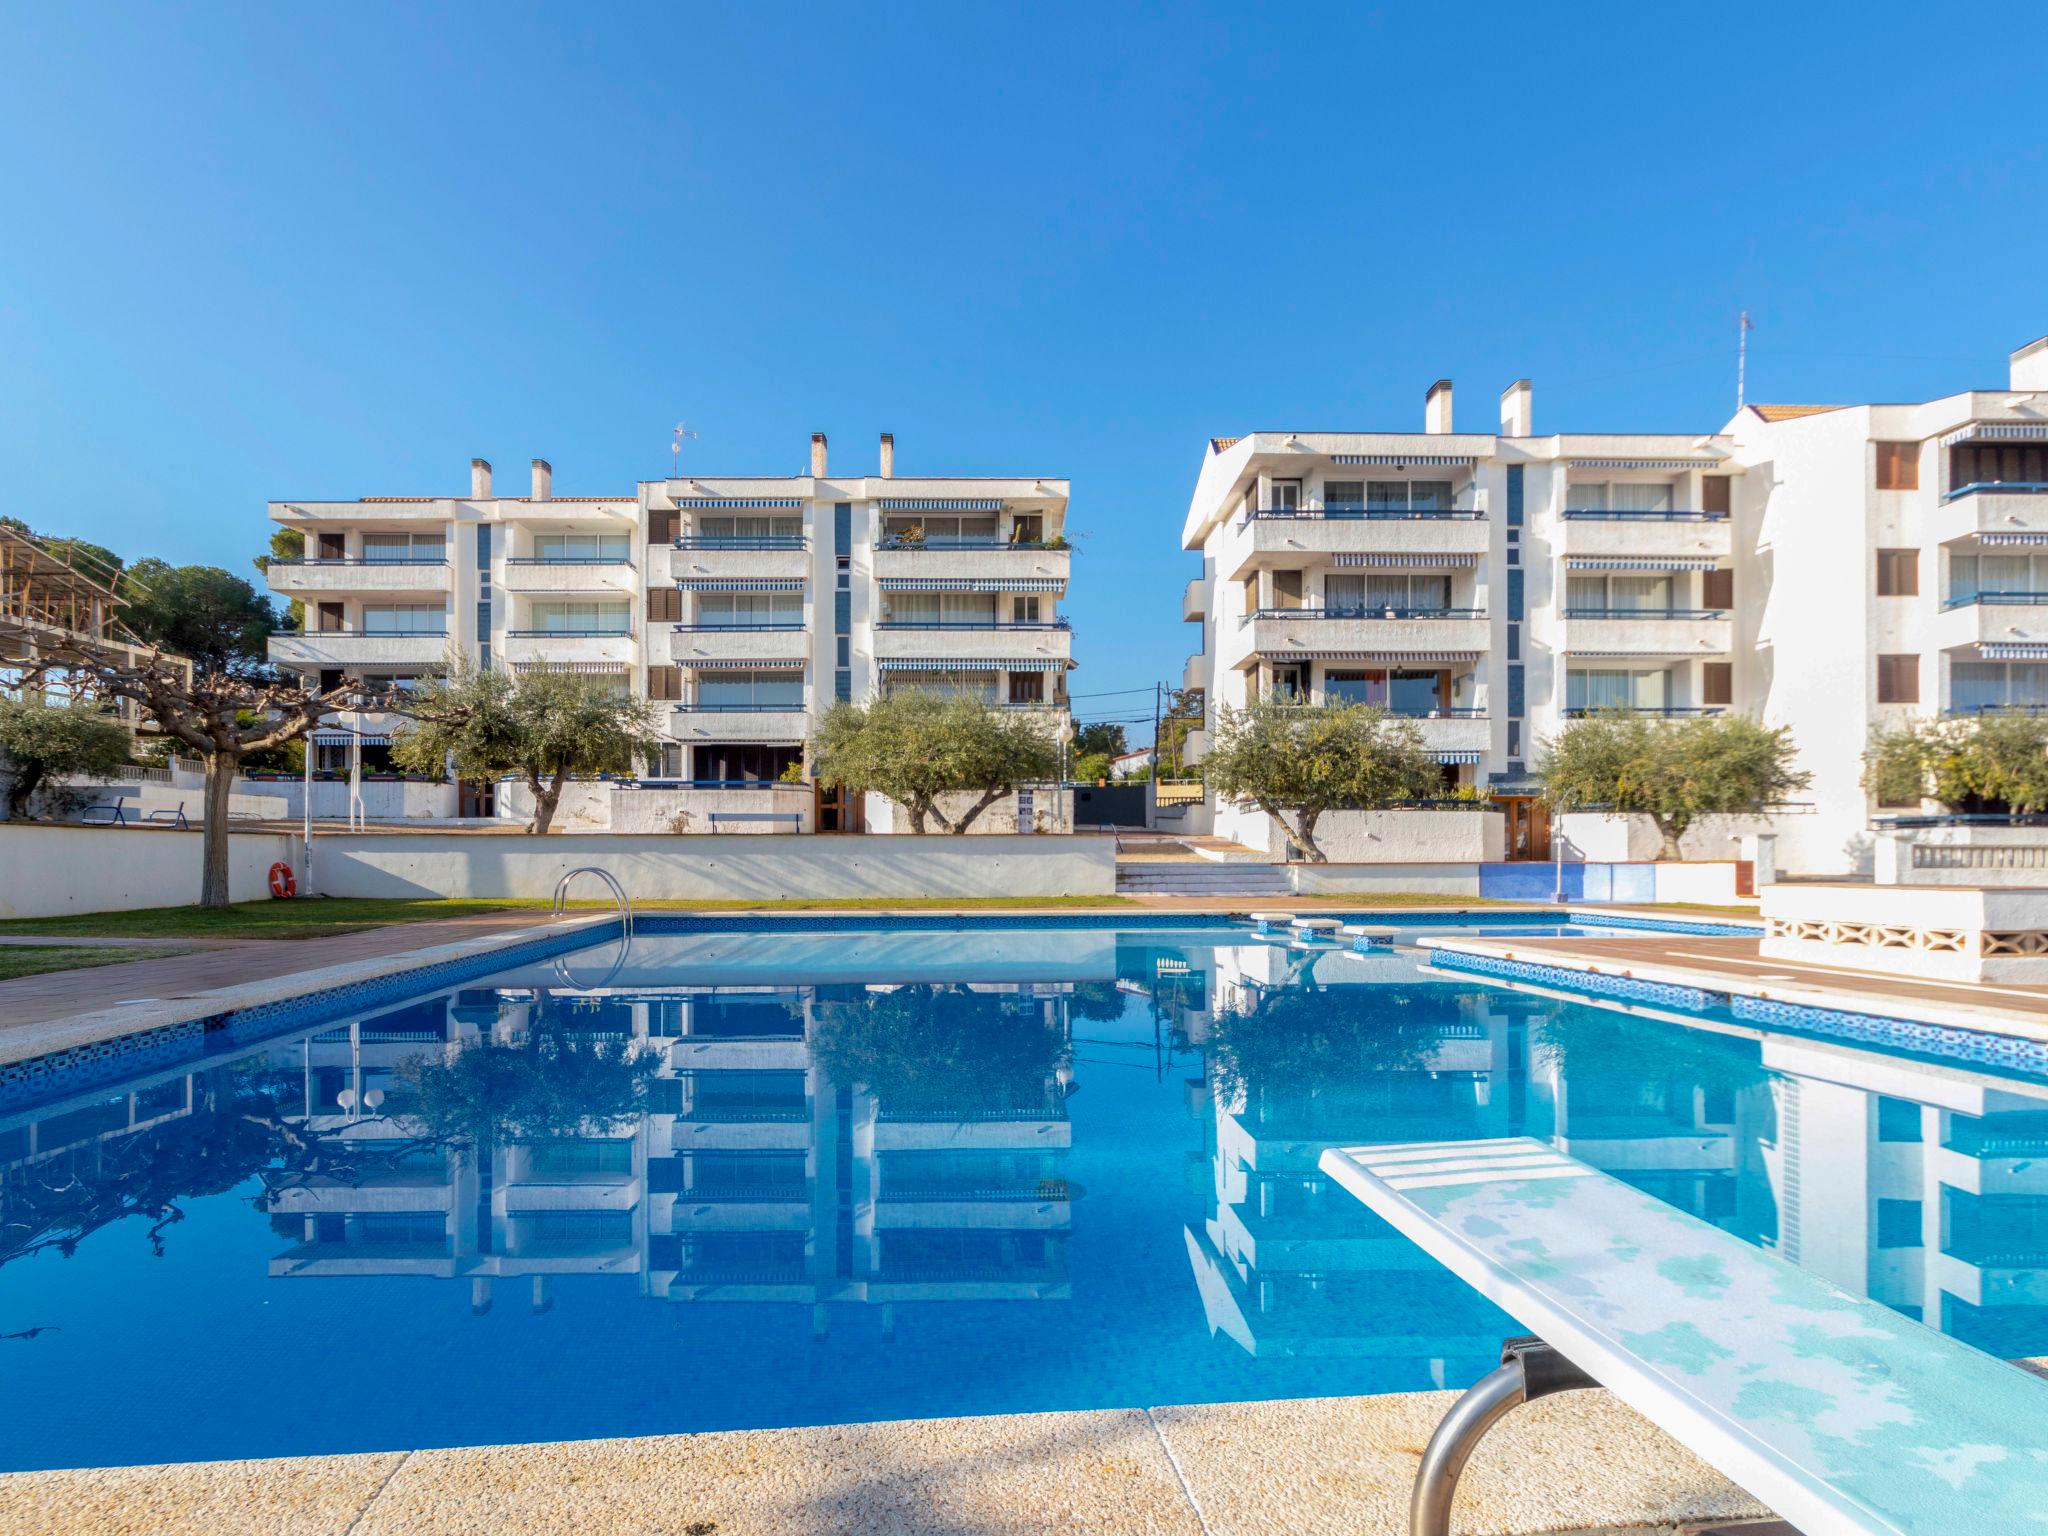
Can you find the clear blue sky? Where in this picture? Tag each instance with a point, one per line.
(261, 251)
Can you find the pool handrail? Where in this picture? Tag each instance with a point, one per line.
(618, 894)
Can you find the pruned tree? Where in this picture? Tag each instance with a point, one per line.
(545, 726)
(1303, 761)
(917, 747)
(1673, 772)
(221, 716)
(43, 740)
(1987, 760)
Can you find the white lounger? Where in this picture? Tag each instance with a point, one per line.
(1839, 1413)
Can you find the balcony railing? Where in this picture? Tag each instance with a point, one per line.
(692, 706)
(738, 629)
(1602, 515)
(1347, 513)
(1362, 613)
(980, 624)
(942, 546)
(743, 541)
(360, 560)
(1966, 710)
(569, 634)
(570, 560)
(1655, 711)
(2002, 599)
(369, 634)
(1646, 613)
(2000, 488)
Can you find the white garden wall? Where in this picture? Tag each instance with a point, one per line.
(743, 866)
(1597, 838)
(701, 810)
(1052, 810)
(1412, 837)
(52, 870)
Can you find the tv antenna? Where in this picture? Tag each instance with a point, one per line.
(1743, 326)
(675, 449)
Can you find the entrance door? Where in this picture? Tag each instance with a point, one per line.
(476, 799)
(838, 810)
(1528, 826)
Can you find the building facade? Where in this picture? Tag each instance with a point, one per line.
(747, 605)
(1831, 569)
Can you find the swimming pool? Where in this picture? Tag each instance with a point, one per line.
(783, 1175)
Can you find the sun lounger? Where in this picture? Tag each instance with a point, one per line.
(1841, 1414)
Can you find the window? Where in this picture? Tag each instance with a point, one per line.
(1400, 691)
(1717, 682)
(1980, 685)
(582, 548)
(561, 618)
(732, 689)
(750, 527)
(1898, 466)
(1898, 573)
(662, 527)
(750, 610)
(1588, 690)
(726, 762)
(1898, 679)
(406, 620)
(1027, 609)
(1897, 1120)
(941, 531)
(1898, 1224)
(1283, 495)
(952, 610)
(1408, 495)
(2004, 464)
(404, 548)
(1617, 594)
(973, 685)
(1380, 593)
(664, 682)
(1969, 575)
(1344, 494)
(328, 619)
(1027, 687)
(1717, 589)
(665, 605)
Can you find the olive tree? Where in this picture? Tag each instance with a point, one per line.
(43, 740)
(1303, 761)
(546, 726)
(916, 747)
(1673, 772)
(2001, 759)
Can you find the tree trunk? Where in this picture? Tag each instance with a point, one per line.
(916, 811)
(988, 798)
(21, 789)
(213, 877)
(545, 799)
(1671, 831)
(1308, 842)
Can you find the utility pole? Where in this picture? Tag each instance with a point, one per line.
(1156, 759)
(1743, 326)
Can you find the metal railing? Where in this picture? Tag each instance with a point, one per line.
(1661, 711)
(618, 894)
(1362, 613)
(1601, 515)
(569, 560)
(1366, 514)
(981, 624)
(569, 634)
(359, 560)
(737, 629)
(1991, 599)
(1999, 488)
(940, 546)
(1646, 613)
(742, 541)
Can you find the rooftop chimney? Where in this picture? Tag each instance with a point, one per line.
(479, 479)
(1436, 407)
(888, 455)
(543, 480)
(817, 455)
(1518, 410)
(2030, 366)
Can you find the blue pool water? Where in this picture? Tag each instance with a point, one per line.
(751, 1178)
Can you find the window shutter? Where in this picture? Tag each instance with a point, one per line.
(1714, 493)
(1717, 589)
(661, 526)
(1898, 466)
(664, 682)
(1898, 679)
(1898, 573)
(665, 605)
(1717, 682)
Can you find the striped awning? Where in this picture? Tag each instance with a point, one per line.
(1391, 658)
(973, 664)
(2012, 538)
(940, 504)
(1645, 563)
(739, 503)
(591, 668)
(343, 738)
(1396, 460)
(739, 583)
(1459, 757)
(1423, 558)
(2013, 650)
(740, 664)
(1647, 463)
(1648, 652)
(972, 584)
(1997, 432)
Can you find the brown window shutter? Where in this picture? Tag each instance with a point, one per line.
(1898, 573)
(664, 682)
(1898, 679)
(1898, 466)
(661, 527)
(1714, 493)
(1717, 589)
(665, 605)
(1717, 682)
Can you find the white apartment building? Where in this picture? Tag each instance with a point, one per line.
(748, 604)
(1832, 569)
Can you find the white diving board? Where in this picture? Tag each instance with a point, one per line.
(1839, 1413)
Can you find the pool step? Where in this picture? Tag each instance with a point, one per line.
(1201, 879)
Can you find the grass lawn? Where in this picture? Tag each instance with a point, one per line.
(17, 960)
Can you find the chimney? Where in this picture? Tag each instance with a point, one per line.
(2030, 366)
(817, 455)
(479, 479)
(1436, 407)
(543, 480)
(888, 455)
(1518, 410)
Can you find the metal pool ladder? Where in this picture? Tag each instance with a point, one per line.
(618, 894)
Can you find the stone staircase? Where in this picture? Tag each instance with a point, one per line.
(1199, 877)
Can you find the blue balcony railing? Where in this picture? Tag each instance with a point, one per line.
(742, 541)
(1659, 711)
(983, 624)
(570, 560)
(1999, 488)
(1345, 513)
(940, 545)
(737, 629)
(1971, 710)
(1646, 613)
(1602, 515)
(1313, 614)
(569, 634)
(1996, 599)
(360, 560)
(689, 706)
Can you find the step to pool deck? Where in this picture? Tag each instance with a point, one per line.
(1580, 1462)
(1735, 966)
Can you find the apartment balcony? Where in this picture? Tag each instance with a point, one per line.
(692, 644)
(1685, 536)
(2016, 508)
(571, 578)
(567, 647)
(728, 559)
(1424, 540)
(335, 578)
(1194, 602)
(931, 565)
(1306, 634)
(1669, 633)
(691, 722)
(1977, 619)
(1195, 675)
(1001, 645)
(1464, 735)
(312, 649)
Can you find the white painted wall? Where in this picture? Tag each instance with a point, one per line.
(1367, 879)
(1052, 811)
(1602, 839)
(746, 866)
(56, 870)
(692, 810)
(1379, 837)
(1908, 911)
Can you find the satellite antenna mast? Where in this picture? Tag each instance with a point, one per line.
(675, 449)
(1743, 326)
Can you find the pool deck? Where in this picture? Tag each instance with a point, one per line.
(1307, 1467)
(1734, 965)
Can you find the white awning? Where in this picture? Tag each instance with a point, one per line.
(972, 584)
(1997, 432)
(739, 664)
(739, 503)
(1423, 558)
(592, 668)
(940, 504)
(973, 664)
(1390, 658)
(1402, 460)
(2012, 538)
(1647, 463)
(1644, 563)
(739, 583)
(2013, 650)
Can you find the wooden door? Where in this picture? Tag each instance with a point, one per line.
(1528, 827)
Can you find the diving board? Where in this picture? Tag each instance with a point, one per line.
(1839, 1413)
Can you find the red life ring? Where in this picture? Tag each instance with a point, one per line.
(282, 885)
